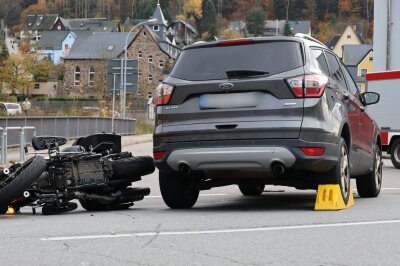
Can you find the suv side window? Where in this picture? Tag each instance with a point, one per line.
(319, 55)
(336, 73)
(350, 82)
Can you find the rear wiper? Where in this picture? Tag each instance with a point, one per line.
(245, 73)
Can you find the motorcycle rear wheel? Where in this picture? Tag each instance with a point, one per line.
(20, 179)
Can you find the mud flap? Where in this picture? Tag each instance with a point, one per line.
(329, 198)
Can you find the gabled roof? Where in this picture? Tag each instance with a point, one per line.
(354, 54)
(80, 37)
(91, 24)
(187, 25)
(40, 22)
(101, 45)
(158, 14)
(332, 42)
(52, 40)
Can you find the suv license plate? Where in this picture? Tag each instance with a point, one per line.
(231, 100)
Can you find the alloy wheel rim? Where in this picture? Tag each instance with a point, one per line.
(378, 171)
(344, 172)
(396, 153)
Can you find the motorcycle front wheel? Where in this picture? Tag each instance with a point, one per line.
(20, 176)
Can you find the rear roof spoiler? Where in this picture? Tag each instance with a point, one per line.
(306, 37)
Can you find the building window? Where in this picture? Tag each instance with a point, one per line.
(37, 86)
(156, 28)
(150, 59)
(91, 76)
(348, 36)
(66, 47)
(371, 58)
(140, 55)
(149, 95)
(363, 72)
(144, 33)
(150, 79)
(161, 64)
(77, 76)
(58, 27)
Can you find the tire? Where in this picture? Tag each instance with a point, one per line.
(340, 173)
(251, 188)
(178, 192)
(22, 178)
(395, 153)
(369, 186)
(127, 168)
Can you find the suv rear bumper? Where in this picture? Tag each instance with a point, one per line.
(230, 158)
(256, 154)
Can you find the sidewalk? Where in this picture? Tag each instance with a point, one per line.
(14, 153)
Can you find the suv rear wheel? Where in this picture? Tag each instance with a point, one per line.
(340, 173)
(178, 192)
(369, 186)
(395, 153)
(251, 188)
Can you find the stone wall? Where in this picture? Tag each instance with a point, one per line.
(97, 89)
(145, 45)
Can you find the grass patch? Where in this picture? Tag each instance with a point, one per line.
(144, 126)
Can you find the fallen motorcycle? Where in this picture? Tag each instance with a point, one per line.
(92, 170)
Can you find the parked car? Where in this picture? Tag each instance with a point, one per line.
(10, 108)
(271, 110)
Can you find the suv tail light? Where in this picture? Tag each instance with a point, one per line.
(314, 86)
(163, 94)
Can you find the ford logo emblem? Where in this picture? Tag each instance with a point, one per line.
(226, 86)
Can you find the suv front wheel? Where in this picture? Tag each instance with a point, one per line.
(178, 191)
(369, 186)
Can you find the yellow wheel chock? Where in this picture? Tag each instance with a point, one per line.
(329, 198)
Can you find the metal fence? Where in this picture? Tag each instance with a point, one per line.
(70, 127)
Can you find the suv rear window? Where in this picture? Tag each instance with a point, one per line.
(212, 63)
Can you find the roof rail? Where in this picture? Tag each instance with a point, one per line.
(305, 36)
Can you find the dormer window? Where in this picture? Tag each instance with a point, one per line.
(110, 47)
(156, 28)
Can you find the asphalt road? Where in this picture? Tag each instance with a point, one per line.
(224, 228)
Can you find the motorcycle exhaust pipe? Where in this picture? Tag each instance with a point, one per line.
(278, 169)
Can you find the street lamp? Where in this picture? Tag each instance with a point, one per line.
(123, 77)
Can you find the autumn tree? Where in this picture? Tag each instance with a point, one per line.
(15, 73)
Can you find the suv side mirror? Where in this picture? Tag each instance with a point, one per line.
(369, 98)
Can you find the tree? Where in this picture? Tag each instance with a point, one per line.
(3, 52)
(15, 73)
(255, 21)
(288, 29)
(208, 22)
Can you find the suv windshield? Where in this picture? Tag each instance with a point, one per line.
(212, 63)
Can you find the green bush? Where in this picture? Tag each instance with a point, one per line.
(7, 98)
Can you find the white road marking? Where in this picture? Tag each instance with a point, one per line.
(201, 195)
(226, 231)
(384, 188)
